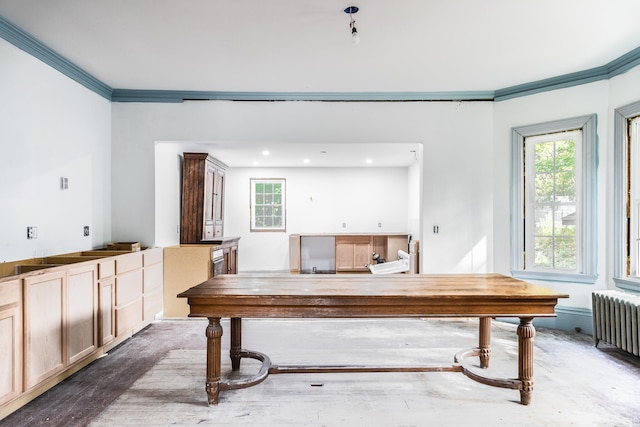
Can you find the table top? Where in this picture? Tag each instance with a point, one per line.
(364, 295)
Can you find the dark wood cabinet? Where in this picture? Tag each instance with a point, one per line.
(231, 258)
(202, 211)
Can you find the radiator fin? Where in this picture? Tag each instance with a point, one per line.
(615, 319)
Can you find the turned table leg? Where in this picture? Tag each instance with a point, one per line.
(213, 333)
(484, 343)
(236, 342)
(526, 333)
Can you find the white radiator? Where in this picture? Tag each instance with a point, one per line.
(615, 320)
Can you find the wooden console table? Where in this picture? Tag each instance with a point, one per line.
(368, 296)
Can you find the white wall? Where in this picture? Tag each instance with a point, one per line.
(457, 179)
(319, 200)
(51, 127)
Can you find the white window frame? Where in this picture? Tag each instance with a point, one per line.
(254, 182)
(586, 232)
(621, 148)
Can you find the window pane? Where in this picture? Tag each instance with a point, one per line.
(565, 223)
(565, 253)
(544, 188)
(544, 221)
(565, 155)
(544, 252)
(544, 160)
(566, 186)
(259, 199)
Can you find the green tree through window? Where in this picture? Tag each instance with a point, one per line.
(554, 202)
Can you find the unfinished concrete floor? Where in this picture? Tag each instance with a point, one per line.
(576, 384)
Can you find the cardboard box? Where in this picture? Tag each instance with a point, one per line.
(124, 246)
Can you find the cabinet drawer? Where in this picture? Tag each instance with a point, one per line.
(10, 292)
(353, 240)
(152, 256)
(128, 262)
(128, 287)
(106, 268)
(153, 278)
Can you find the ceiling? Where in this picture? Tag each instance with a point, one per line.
(305, 45)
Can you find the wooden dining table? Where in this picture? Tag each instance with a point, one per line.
(482, 296)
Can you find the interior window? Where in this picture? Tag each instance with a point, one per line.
(268, 205)
(553, 200)
(633, 199)
(552, 196)
(626, 197)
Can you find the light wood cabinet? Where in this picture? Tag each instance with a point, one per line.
(152, 284)
(202, 211)
(44, 346)
(10, 340)
(106, 301)
(56, 319)
(353, 253)
(106, 312)
(81, 312)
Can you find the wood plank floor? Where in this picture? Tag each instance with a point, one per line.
(157, 379)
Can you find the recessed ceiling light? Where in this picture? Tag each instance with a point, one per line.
(369, 161)
(306, 161)
(256, 163)
(265, 152)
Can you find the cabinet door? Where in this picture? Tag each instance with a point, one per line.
(344, 256)
(353, 253)
(361, 255)
(208, 230)
(10, 340)
(107, 311)
(44, 349)
(218, 196)
(82, 310)
(233, 260)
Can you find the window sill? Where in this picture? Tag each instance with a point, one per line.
(587, 279)
(627, 284)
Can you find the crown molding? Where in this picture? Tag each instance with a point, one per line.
(127, 95)
(34, 47)
(616, 67)
(26, 42)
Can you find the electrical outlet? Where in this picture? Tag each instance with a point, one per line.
(32, 232)
(86, 230)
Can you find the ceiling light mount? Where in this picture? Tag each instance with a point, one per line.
(352, 23)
